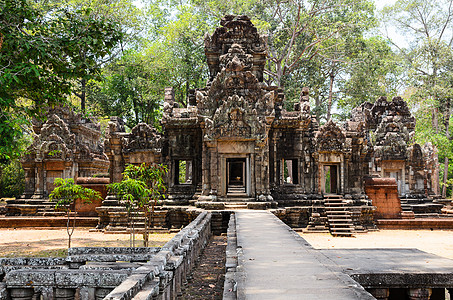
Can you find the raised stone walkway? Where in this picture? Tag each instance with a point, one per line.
(276, 263)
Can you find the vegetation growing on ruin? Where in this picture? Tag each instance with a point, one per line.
(66, 193)
(141, 188)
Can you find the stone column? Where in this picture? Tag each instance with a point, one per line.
(380, 293)
(101, 293)
(450, 291)
(252, 176)
(39, 181)
(21, 293)
(205, 180)
(222, 191)
(419, 294)
(214, 172)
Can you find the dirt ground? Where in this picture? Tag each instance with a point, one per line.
(438, 242)
(206, 280)
(18, 242)
(33, 242)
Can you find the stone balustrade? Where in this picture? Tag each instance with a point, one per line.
(164, 275)
(108, 273)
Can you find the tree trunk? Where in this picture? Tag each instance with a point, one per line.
(317, 105)
(83, 94)
(146, 233)
(447, 134)
(279, 74)
(329, 103)
(68, 230)
(435, 120)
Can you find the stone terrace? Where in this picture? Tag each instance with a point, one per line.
(268, 260)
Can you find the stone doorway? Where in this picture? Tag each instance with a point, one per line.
(236, 175)
(330, 179)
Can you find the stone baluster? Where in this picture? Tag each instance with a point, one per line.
(101, 293)
(450, 292)
(64, 294)
(381, 293)
(419, 294)
(21, 293)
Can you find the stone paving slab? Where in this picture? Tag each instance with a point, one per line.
(394, 268)
(279, 264)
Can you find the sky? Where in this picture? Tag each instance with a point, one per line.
(381, 3)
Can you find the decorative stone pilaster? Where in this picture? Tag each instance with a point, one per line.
(21, 293)
(64, 294)
(101, 293)
(381, 293)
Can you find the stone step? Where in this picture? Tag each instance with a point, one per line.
(343, 220)
(237, 195)
(338, 212)
(338, 216)
(236, 206)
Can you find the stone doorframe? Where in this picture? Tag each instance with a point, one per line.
(249, 172)
(395, 169)
(331, 159)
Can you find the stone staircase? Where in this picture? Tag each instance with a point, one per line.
(338, 217)
(32, 207)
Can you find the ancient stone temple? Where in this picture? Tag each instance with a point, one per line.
(235, 142)
(66, 145)
(235, 145)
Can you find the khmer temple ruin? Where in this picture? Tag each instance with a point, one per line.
(236, 146)
(66, 145)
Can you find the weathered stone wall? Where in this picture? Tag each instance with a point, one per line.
(108, 273)
(163, 276)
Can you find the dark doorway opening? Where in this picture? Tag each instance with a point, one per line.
(183, 172)
(290, 171)
(236, 175)
(331, 179)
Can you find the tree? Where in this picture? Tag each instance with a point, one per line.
(40, 55)
(427, 28)
(124, 13)
(378, 71)
(66, 193)
(132, 87)
(142, 186)
(181, 35)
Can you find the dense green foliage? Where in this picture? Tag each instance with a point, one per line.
(41, 53)
(117, 56)
(12, 179)
(428, 62)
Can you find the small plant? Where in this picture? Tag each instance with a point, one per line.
(66, 192)
(142, 186)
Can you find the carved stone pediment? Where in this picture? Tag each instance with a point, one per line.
(55, 141)
(143, 137)
(330, 138)
(235, 118)
(236, 105)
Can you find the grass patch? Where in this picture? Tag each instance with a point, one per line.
(42, 253)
